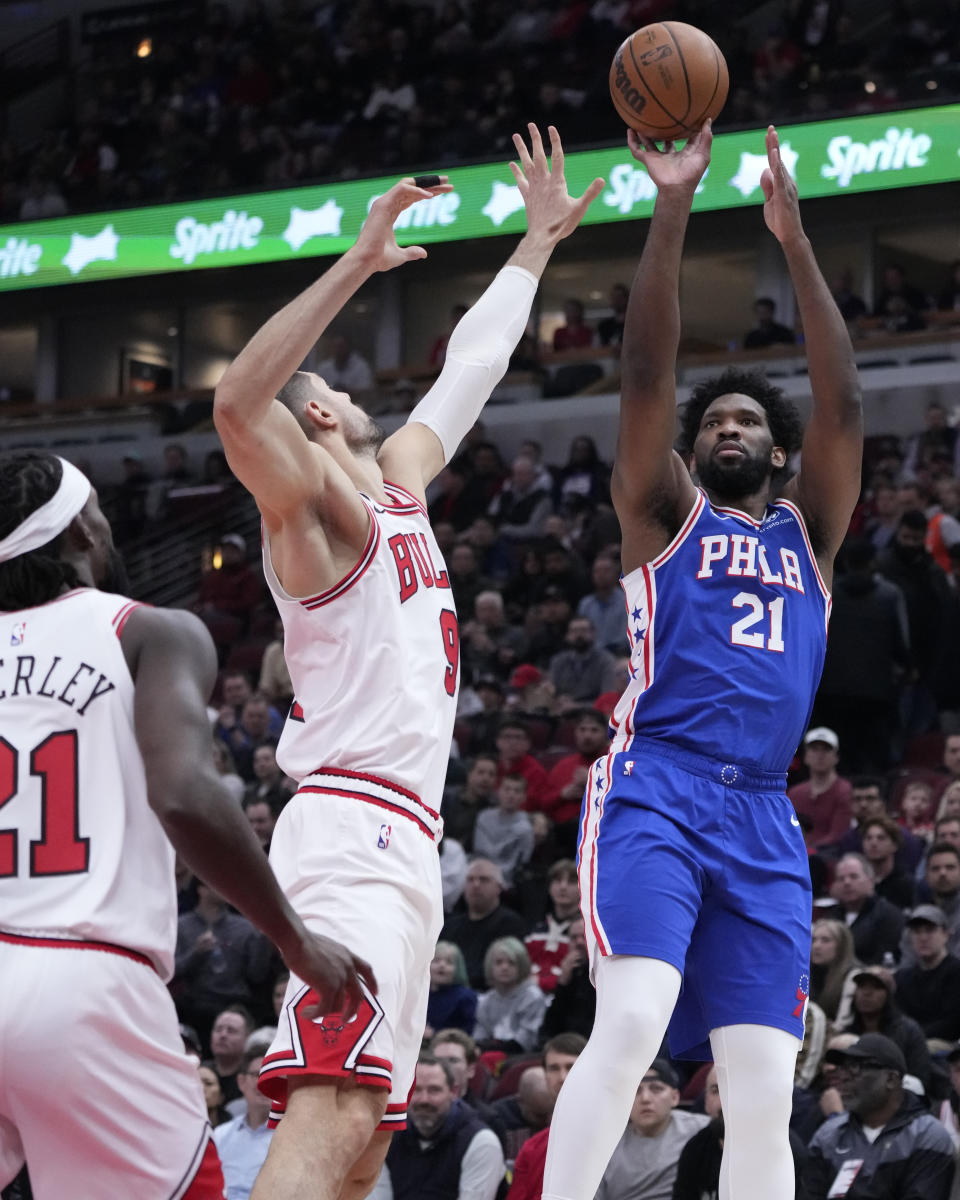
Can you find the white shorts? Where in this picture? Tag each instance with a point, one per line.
(368, 875)
(96, 1092)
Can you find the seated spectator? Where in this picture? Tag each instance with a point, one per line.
(262, 820)
(452, 1003)
(850, 304)
(950, 1107)
(242, 1143)
(644, 1164)
(462, 807)
(546, 624)
(875, 923)
(574, 1002)
(212, 1095)
(574, 333)
(438, 351)
(833, 968)
(875, 1011)
(881, 841)
(228, 1038)
(269, 784)
(897, 295)
(462, 1054)
(220, 960)
(951, 759)
(867, 801)
(610, 329)
(949, 803)
(345, 370)
(583, 477)
(226, 769)
(562, 569)
(526, 1113)
(503, 834)
(584, 670)
(235, 588)
(767, 331)
(484, 921)
(916, 810)
(568, 777)
(257, 725)
(514, 758)
(486, 721)
(899, 1149)
(949, 298)
(491, 647)
(559, 1055)
(531, 692)
(825, 796)
(522, 504)
(466, 582)
(547, 945)
(443, 1146)
(938, 438)
(929, 992)
(604, 605)
(943, 884)
(509, 1014)
(275, 681)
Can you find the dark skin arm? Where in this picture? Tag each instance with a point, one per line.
(173, 663)
(652, 490)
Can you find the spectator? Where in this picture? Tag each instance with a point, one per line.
(466, 582)
(262, 820)
(220, 959)
(562, 569)
(485, 723)
(833, 967)
(548, 944)
(41, 200)
(514, 758)
(644, 1164)
(882, 839)
(951, 758)
(604, 605)
(270, 786)
(574, 333)
(949, 298)
(523, 503)
(532, 692)
(876, 1011)
(462, 1055)
(489, 645)
(850, 304)
(226, 769)
(866, 802)
(930, 991)
(257, 725)
(949, 802)
(463, 806)
(446, 1151)
(228, 1038)
(950, 1108)
(916, 810)
(899, 1149)
(825, 797)
(346, 370)
(610, 329)
(568, 777)
(583, 478)
(767, 331)
(485, 919)
(897, 295)
(943, 881)
(234, 589)
(867, 660)
(438, 351)
(452, 1003)
(509, 1014)
(130, 499)
(453, 872)
(585, 670)
(243, 1142)
(275, 681)
(504, 834)
(559, 1055)
(212, 1095)
(937, 439)
(875, 923)
(574, 1003)
(525, 1113)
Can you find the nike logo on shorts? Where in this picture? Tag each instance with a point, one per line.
(794, 821)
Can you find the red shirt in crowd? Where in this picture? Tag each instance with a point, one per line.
(829, 810)
(535, 776)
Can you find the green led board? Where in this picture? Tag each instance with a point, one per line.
(828, 158)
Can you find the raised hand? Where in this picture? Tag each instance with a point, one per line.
(781, 208)
(377, 238)
(551, 210)
(670, 167)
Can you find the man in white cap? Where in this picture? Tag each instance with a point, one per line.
(825, 796)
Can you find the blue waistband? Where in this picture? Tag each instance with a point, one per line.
(730, 773)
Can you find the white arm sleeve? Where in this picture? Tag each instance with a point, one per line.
(477, 356)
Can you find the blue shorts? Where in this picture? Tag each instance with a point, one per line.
(700, 864)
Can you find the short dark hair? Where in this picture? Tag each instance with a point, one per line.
(294, 395)
(27, 481)
(565, 1043)
(889, 827)
(943, 848)
(427, 1059)
(913, 519)
(257, 1050)
(859, 782)
(513, 723)
(243, 1011)
(459, 1038)
(786, 428)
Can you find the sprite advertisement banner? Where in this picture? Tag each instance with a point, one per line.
(827, 158)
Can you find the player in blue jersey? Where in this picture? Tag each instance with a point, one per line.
(693, 872)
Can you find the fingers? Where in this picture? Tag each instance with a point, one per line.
(536, 145)
(766, 183)
(526, 162)
(556, 150)
(365, 971)
(588, 197)
(412, 253)
(522, 181)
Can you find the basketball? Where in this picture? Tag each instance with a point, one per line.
(667, 79)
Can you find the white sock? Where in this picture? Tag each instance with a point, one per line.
(635, 999)
(755, 1069)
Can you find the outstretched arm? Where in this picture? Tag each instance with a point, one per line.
(480, 346)
(828, 484)
(650, 486)
(266, 448)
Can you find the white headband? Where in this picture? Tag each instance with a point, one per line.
(45, 522)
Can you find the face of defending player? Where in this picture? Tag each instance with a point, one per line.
(734, 451)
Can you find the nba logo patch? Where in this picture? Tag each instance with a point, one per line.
(18, 634)
(383, 841)
(628, 767)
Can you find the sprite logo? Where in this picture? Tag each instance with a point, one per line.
(19, 257)
(234, 231)
(900, 149)
(438, 210)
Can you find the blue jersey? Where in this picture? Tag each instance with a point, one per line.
(728, 630)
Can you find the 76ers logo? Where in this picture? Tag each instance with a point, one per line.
(803, 991)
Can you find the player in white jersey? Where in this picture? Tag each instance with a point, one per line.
(106, 768)
(372, 645)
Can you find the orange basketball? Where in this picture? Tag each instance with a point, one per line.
(666, 79)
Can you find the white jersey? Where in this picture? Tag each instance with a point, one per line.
(82, 854)
(374, 661)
